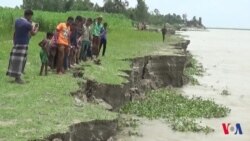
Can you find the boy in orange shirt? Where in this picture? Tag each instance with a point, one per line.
(63, 34)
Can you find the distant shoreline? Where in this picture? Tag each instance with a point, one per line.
(225, 28)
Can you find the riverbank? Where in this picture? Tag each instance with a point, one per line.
(44, 105)
(160, 70)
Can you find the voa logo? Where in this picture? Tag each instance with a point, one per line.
(229, 128)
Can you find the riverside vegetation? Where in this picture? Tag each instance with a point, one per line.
(44, 105)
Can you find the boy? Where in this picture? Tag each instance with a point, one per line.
(96, 31)
(86, 41)
(73, 45)
(79, 25)
(103, 39)
(45, 44)
(63, 33)
(53, 51)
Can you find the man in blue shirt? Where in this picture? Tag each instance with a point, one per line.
(18, 56)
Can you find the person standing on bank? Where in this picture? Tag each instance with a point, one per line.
(164, 32)
(96, 31)
(63, 34)
(18, 56)
(103, 39)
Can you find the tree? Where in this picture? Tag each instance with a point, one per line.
(68, 5)
(194, 19)
(84, 5)
(46, 5)
(184, 17)
(141, 11)
(157, 12)
(200, 21)
(115, 6)
(97, 7)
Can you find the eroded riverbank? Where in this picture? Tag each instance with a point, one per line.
(147, 73)
(159, 130)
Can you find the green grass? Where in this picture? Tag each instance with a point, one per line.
(49, 20)
(44, 105)
(124, 44)
(180, 111)
(194, 68)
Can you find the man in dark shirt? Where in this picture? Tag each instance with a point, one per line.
(164, 32)
(18, 56)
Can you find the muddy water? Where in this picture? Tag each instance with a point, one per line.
(225, 54)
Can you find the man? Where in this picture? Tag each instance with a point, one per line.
(79, 20)
(103, 39)
(63, 34)
(86, 41)
(96, 31)
(164, 32)
(18, 56)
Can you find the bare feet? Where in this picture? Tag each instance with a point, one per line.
(19, 81)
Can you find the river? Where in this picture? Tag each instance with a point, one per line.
(225, 54)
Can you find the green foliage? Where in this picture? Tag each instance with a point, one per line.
(115, 6)
(141, 11)
(180, 111)
(58, 5)
(80, 5)
(194, 22)
(138, 14)
(49, 20)
(187, 124)
(193, 68)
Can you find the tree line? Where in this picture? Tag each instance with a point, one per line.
(138, 14)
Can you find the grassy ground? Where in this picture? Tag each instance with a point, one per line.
(122, 45)
(41, 107)
(44, 106)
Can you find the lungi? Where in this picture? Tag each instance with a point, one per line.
(96, 44)
(18, 58)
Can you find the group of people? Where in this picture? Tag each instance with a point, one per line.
(76, 40)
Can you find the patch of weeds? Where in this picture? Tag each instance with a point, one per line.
(180, 111)
(128, 125)
(225, 93)
(187, 124)
(193, 68)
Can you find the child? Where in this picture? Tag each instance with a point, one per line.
(79, 25)
(86, 41)
(53, 51)
(73, 45)
(96, 32)
(103, 39)
(44, 44)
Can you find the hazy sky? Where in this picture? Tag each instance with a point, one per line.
(215, 13)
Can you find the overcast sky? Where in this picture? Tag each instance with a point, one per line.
(215, 13)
